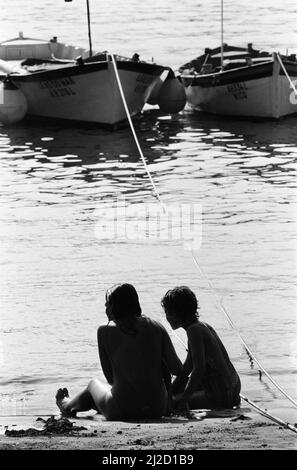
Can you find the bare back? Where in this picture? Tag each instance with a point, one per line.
(218, 375)
(133, 365)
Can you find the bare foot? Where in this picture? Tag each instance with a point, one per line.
(62, 400)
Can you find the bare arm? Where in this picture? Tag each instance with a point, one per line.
(170, 357)
(104, 358)
(197, 349)
(181, 380)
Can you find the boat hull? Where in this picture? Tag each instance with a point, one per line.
(88, 92)
(261, 91)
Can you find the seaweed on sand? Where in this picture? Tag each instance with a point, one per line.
(51, 426)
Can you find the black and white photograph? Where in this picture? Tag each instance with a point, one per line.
(148, 253)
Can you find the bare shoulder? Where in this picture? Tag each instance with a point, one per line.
(101, 330)
(156, 329)
(198, 330)
(153, 323)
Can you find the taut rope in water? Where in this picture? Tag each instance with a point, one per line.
(250, 353)
(157, 194)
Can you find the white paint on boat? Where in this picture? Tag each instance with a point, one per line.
(67, 87)
(265, 97)
(91, 97)
(13, 104)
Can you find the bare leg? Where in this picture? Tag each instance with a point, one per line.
(70, 406)
(91, 398)
(101, 395)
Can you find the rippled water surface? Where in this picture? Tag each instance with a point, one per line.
(57, 184)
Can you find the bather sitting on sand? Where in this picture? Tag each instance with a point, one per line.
(209, 379)
(134, 352)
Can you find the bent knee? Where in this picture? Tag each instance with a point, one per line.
(98, 386)
(92, 383)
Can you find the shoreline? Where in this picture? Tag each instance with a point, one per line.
(240, 430)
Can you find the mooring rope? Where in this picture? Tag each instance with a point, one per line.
(250, 402)
(250, 353)
(157, 194)
(270, 416)
(286, 73)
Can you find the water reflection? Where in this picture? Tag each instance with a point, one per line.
(264, 149)
(54, 272)
(192, 157)
(251, 147)
(53, 183)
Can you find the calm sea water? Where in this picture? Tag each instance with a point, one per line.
(55, 183)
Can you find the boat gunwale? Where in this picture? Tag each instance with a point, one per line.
(226, 77)
(66, 70)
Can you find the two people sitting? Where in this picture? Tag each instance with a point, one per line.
(138, 360)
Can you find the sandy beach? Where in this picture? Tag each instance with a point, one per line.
(241, 430)
(101, 217)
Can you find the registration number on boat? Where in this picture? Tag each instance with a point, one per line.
(59, 87)
(238, 90)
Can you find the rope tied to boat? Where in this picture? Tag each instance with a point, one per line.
(286, 73)
(158, 196)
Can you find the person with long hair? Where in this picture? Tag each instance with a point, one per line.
(209, 379)
(136, 356)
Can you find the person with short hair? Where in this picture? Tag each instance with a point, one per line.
(209, 379)
(136, 356)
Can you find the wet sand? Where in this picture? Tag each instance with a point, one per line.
(244, 430)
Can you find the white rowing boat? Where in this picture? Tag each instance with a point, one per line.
(247, 83)
(62, 82)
